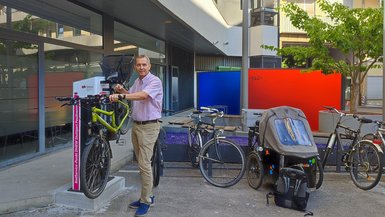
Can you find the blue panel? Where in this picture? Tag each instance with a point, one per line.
(220, 89)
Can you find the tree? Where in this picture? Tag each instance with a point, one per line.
(356, 33)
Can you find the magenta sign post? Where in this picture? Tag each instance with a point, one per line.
(76, 145)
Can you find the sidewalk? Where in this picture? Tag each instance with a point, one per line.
(32, 183)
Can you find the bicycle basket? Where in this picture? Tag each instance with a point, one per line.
(117, 68)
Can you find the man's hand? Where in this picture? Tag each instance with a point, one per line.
(115, 97)
(119, 88)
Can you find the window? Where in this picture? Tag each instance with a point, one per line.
(292, 132)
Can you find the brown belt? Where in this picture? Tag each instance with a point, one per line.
(146, 122)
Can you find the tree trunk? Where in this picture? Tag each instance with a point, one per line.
(354, 94)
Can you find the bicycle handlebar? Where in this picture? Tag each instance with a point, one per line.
(340, 112)
(360, 119)
(207, 110)
(213, 110)
(63, 98)
(74, 100)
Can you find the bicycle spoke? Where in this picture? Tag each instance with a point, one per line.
(365, 166)
(254, 171)
(222, 163)
(95, 168)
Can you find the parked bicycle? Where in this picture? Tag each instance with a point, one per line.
(96, 155)
(362, 158)
(254, 166)
(221, 161)
(198, 134)
(378, 137)
(157, 162)
(255, 169)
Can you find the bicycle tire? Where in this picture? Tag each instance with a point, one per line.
(366, 155)
(222, 163)
(369, 136)
(319, 174)
(95, 167)
(194, 146)
(156, 163)
(120, 112)
(254, 170)
(326, 156)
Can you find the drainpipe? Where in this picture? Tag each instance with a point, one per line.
(383, 68)
(245, 55)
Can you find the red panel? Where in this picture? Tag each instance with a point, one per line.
(307, 91)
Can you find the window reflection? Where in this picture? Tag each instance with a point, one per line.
(18, 99)
(81, 32)
(63, 66)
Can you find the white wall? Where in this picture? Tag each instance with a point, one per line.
(204, 17)
(263, 35)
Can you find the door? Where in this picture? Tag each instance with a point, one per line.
(174, 88)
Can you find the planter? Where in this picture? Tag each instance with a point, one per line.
(328, 120)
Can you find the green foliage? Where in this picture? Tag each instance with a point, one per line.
(355, 33)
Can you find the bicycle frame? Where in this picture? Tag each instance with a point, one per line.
(111, 127)
(199, 127)
(335, 137)
(378, 140)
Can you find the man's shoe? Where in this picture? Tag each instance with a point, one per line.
(142, 210)
(136, 204)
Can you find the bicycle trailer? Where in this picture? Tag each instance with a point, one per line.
(286, 140)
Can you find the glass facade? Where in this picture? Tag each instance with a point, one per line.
(18, 98)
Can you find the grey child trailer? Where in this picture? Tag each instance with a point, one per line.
(286, 140)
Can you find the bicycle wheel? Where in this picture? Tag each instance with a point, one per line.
(194, 146)
(365, 165)
(95, 167)
(319, 173)
(369, 136)
(221, 162)
(156, 163)
(120, 112)
(254, 170)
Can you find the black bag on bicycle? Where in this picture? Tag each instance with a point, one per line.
(290, 190)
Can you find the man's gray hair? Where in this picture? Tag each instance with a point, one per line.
(143, 56)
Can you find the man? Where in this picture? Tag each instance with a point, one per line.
(146, 94)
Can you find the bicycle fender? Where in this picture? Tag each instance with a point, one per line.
(258, 156)
(90, 141)
(379, 149)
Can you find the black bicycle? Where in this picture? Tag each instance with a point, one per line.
(198, 134)
(254, 166)
(361, 159)
(157, 163)
(221, 161)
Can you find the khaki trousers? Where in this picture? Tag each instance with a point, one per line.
(143, 140)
